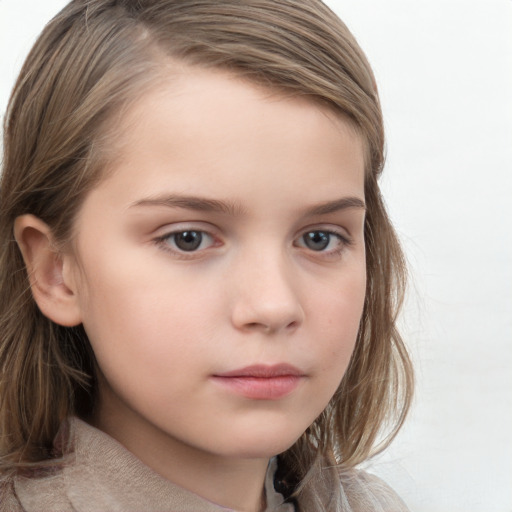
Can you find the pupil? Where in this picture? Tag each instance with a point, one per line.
(188, 240)
(316, 240)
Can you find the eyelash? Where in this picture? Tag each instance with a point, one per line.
(343, 240)
(163, 242)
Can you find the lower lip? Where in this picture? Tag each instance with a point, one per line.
(260, 388)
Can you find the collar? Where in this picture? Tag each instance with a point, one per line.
(101, 475)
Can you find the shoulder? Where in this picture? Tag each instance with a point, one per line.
(35, 487)
(8, 500)
(33, 494)
(365, 491)
(333, 487)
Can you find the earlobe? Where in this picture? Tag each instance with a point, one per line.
(50, 284)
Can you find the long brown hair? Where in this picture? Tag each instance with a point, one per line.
(89, 62)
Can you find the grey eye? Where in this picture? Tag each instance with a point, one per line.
(317, 240)
(188, 240)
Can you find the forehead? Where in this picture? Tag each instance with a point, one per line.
(190, 95)
(213, 131)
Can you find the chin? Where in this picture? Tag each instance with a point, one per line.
(261, 442)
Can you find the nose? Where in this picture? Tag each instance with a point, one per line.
(266, 296)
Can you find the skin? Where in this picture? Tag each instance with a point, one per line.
(163, 322)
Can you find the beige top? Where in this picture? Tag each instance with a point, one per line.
(102, 475)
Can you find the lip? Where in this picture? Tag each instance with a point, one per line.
(261, 382)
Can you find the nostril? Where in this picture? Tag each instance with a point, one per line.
(269, 328)
(256, 325)
(292, 325)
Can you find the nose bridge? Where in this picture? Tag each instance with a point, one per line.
(266, 295)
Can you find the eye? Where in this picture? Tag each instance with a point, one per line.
(322, 241)
(187, 241)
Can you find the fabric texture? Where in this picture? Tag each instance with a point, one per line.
(100, 475)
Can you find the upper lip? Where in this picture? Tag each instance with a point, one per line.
(263, 371)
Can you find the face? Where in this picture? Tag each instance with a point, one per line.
(220, 266)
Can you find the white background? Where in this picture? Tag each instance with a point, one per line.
(444, 68)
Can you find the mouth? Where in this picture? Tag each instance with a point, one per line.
(261, 382)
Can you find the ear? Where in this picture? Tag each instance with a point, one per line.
(48, 271)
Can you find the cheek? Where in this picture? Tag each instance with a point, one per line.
(143, 348)
(338, 320)
(141, 321)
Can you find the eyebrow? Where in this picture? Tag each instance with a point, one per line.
(336, 205)
(234, 208)
(201, 204)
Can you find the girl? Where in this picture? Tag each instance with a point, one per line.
(199, 282)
